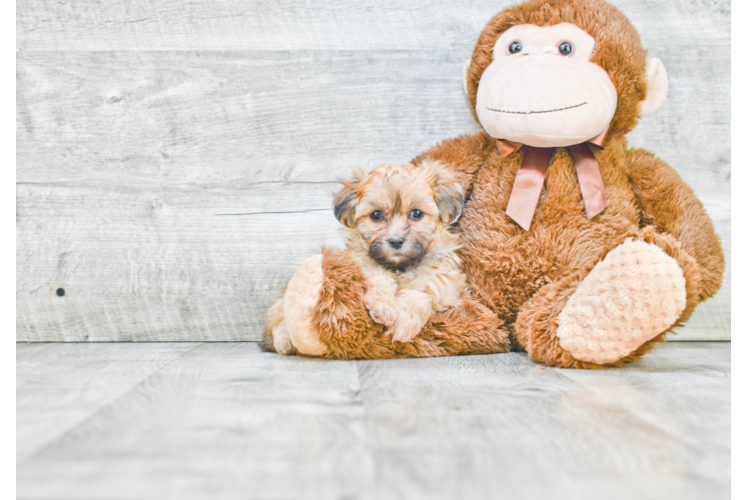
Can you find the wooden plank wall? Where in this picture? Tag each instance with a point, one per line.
(175, 160)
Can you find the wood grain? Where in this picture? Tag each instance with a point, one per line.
(176, 161)
(498, 427)
(322, 25)
(225, 421)
(59, 386)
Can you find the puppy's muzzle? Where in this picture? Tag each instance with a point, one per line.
(397, 253)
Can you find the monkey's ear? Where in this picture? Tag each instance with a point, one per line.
(465, 75)
(344, 205)
(448, 193)
(656, 86)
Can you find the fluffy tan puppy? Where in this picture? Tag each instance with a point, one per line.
(397, 218)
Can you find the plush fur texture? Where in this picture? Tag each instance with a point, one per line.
(345, 326)
(519, 282)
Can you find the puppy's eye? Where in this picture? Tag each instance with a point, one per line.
(515, 47)
(416, 214)
(376, 215)
(565, 48)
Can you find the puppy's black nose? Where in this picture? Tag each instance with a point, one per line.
(396, 242)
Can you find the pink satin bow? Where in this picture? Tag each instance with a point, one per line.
(531, 175)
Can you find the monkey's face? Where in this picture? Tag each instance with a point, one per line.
(400, 210)
(542, 90)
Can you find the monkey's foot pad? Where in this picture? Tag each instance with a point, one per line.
(635, 293)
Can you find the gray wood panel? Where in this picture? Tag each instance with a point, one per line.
(136, 138)
(226, 421)
(59, 386)
(499, 427)
(321, 25)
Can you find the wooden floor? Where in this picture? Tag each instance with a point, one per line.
(226, 421)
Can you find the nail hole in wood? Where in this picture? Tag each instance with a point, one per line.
(60, 292)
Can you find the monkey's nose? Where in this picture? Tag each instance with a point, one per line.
(396, 242)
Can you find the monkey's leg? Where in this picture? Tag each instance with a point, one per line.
(327, 316)
(615, 312)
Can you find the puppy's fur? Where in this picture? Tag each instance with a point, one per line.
(397, 218)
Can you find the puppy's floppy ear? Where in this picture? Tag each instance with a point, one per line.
(449, 195)
(344, 204)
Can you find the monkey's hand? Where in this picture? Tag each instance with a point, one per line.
(413, 311)
(380, 299)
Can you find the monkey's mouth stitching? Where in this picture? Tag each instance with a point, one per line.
(535, 112)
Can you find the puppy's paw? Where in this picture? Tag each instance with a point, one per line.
(407, 328)
(381, 307)
(413, 311)
(382, 314)
(282, 341)
(380, 299)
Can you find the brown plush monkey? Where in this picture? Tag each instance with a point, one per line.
(577, 249)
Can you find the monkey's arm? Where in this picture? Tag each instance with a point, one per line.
(671, 206)
(463, 154)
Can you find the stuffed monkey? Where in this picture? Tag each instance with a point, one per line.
(577, 249)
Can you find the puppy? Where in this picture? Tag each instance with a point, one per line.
(397, 218)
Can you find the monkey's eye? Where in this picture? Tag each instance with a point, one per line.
(416, 214)
(376, 216)
(565, 48)
(515, 47)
